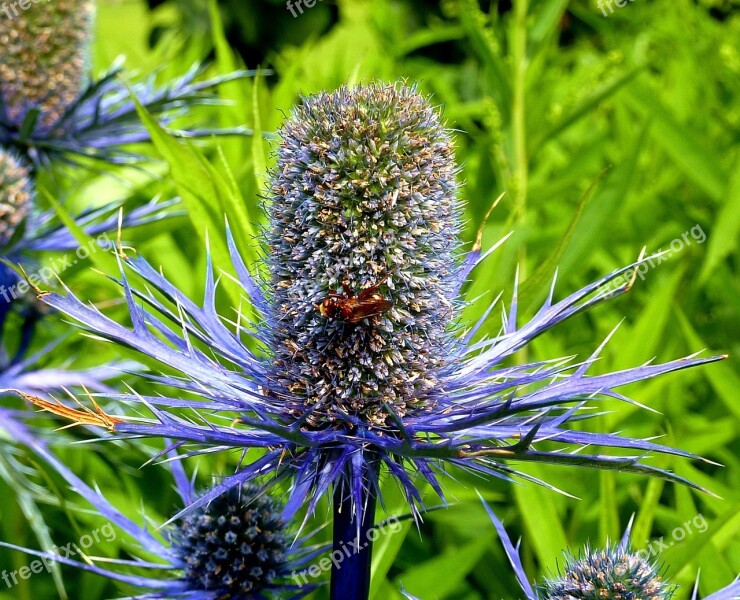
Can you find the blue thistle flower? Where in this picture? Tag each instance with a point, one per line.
(336, 384)
(613, 574)
(363, 195)
(50, 108)
(237, 547)
(238, 542)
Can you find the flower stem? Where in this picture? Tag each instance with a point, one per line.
(350, 575)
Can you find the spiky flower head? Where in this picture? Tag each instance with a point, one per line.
(614, 573)
(44, 60)
(15, 195)
(235, 545)
(363, 198)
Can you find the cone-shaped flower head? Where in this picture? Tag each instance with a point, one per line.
(15, 195)
(235, 544)
(611, 574)
(43, 63)
(363, 224)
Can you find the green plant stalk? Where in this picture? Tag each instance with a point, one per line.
(519, 131)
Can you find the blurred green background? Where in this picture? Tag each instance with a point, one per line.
(610, 129)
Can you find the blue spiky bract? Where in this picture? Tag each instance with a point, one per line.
(730, 592)
(332, 424)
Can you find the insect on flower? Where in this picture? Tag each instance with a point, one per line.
(353, 309)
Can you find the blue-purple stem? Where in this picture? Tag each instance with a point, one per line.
(350, 575)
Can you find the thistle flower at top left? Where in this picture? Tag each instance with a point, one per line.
(45, 59)
(53, 108)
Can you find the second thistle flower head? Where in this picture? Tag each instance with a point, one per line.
(43, 64)
(15, 195)
(362, 253)
(611, 574)
(233, 547)
(236, 543)
(614, 573)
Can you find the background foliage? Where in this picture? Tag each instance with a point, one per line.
(606, 133)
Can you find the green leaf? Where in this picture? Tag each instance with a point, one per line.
(536, 285)
(385, 551)
(207, 197)
(682, 553)
(11, 473)
(541, 521)
(604, 208)
(488, 50)
(609, 528)
(586, 107)
(546, 20)
(644, 520)
(696, 161)
(105, 261)
(442, 574)
(721, 376)
(259, 159)
(725, 232)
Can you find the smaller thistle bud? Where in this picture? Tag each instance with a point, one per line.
(236, 545)
(611, 574)
(43, 62)
(15, 196)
